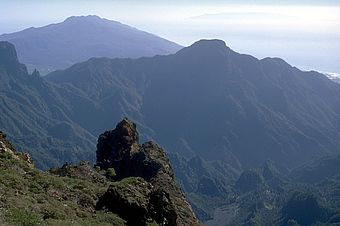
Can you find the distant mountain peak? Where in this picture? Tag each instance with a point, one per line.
(216, 43)
(210, 45)
(79, 38)
(88, 18)
(210, 48)
(276, 60)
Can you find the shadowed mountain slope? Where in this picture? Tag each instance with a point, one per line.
(224, 105)
(38, 116)
(317, 170)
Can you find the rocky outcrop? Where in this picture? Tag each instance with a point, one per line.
(115, 148)
(7, 148)
(135, 195)
(146, 186)
(5, 145)
(83, 171)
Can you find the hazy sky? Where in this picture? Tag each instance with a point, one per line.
(306, 34)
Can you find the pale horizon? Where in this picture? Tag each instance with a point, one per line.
(305, 35)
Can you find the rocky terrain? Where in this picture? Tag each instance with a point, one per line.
(132, 184)
(154, 193)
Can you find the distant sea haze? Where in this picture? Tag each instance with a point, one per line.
(331, 75)
(304, 33)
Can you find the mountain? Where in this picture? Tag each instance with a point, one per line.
(82, 195)
(210, 101)
(79, 38)
(38, 115)
(217, 112)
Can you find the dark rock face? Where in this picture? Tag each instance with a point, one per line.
(114, 147)
(161, 207)
(135, 195)
(147, 187)
(129, 199)
(119, 149)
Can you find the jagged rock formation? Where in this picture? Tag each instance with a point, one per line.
(151, 192)
(114, 147)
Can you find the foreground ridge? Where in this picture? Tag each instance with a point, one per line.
(132, 184)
